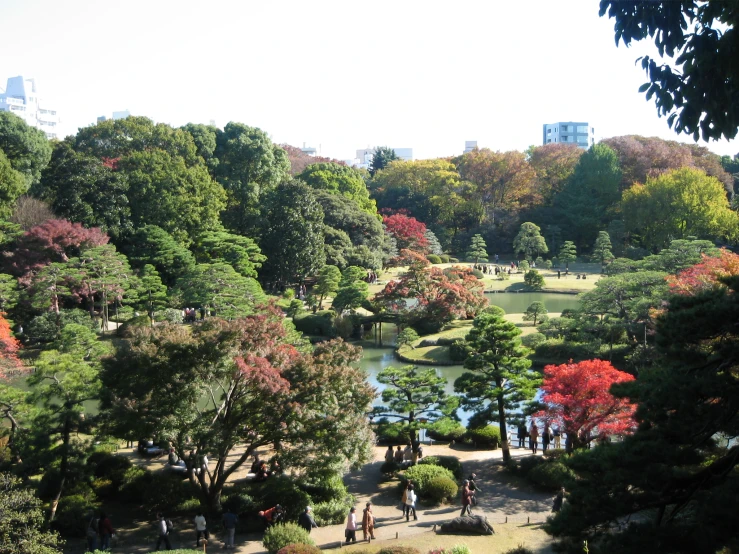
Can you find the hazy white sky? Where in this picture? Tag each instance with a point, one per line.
(338, 74)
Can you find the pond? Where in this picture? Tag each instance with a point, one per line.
(517, 302)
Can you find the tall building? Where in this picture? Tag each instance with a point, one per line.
(469, 145)
(22, 99)
(364, 156)
(570, 132)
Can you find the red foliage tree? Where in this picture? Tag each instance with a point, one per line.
(9, 346)
(55, 240)
(578, 399)
(299, 160)
(705, 275)
(408, 231)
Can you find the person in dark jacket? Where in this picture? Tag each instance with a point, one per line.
(306, 521)
(105, 530)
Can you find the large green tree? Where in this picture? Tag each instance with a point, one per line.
(478, 249)
(529, 242)
(240, 252)
(328, 283)
(12, 185)
(676, 205)
(697, 91)
(340, 179)
(602, 249)
(26, 147)
(381, 159)
(249, 167)
(22, 525)
(500, 377)
(153, 245)
(235, 387)
(292, 238)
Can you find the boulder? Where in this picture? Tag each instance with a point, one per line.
(468, 525)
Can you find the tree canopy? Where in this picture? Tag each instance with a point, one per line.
(339, 179)
(26, 147)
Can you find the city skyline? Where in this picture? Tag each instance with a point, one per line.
(340, 77)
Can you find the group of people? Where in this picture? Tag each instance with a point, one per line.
(371, 277)
(550, 436)
(99, 532)
(367, 524)
(190, 315)
(404, 456)
(261, 471)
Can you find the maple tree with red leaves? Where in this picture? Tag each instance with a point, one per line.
(9, 346)
(437, 296)
(578, 398)
(55, 240)
(111, 163)
(407, 230)
(705, 275)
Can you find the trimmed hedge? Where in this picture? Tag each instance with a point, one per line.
(299, 549)
(524, 465)
(494, 310)
(520, 549)
(551, 475)
(281, 490)
(421, 475)
(390, 432)
(445, 429)
(332, 512)
(440, 489)
(279, 536)
(458, 350)
(320, 323)
(399, 550)
(434, 259)
(451, 463)
(488, 436)
(390, 468)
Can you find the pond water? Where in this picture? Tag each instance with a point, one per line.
(517, 302)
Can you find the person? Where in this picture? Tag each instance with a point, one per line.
(521, 434)
(557, 434)
(558, 500)
(474, 489)
(410, 503)
(558, 274)
(534, 437)
(546, 438)
(351, 526)
(408, 453)
(389, 455)
(200, 529)
(306, 521)
(398, 456)
(92, 533)
(368, 522)
(466, 499)
(256, 464)
(273, 516)
(164, 528)
(262, 473)
(229, 523)
(105, 530)
(172, 459)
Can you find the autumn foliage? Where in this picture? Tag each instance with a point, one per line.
(407, 230)
(578, 399)
(9, 347)
(705, 275)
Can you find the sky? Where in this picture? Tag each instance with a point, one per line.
(338, 75)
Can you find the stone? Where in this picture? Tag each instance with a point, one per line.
(468, 525)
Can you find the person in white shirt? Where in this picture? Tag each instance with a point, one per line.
(410, 503)
(408, 454)
(351, 526)
(200, 529)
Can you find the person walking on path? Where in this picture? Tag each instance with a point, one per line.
(534, 437)
(351, 526)
(164, 528)
(92, 533)
(546, 438)
(466, 499)
(474, 489)
(557, 433)
(398, 456)
(389, 454)
(368, 522)
(306, 521)
(105, 530)
(410, 503)
(201, 529)
(558, 500)
(229, 523)
(522, 434)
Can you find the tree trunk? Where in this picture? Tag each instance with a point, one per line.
(63, 466)
(502, 422)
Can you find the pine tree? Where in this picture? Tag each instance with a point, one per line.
(568, 254)
(529, 241)
(478, 249)
(602, 249)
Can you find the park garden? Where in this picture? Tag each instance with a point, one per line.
(209, 296)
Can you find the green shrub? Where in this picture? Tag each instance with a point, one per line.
(391, 432)
(444, 258)
(279, 536)
(175, 551)
(547, 264)
(109, 466)
(458, 350)
(124, 330)
(239, 503)
(167, 490)
(477, 273)
(445, 429)
(551, 475)
(282, 490)
(524, 266)
(434, 259)
(399, 550)
(440, 489)
(495, 310)
(299, 549)
(526, 464)
(555, 453)
(534, 279)
(458, 549)
(320, 323)
(295, 307)
(504, 275)
(135, 484)
(190, 505)
(73, 516)
(103, 488)
(389, 468)
(170, 315)
(451, 463)
(453, 260)
(327, 487)
(520, 549)
(332, 512)
(488, 436)
(421, 475)
(533, 340)
(47, 326)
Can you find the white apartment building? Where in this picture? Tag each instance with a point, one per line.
(469, 145)
(364, 156)
(570, 132)
(21, 98)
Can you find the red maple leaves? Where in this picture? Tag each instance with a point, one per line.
(704, 275)
(408, 231)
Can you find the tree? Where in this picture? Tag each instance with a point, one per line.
(249, 167)
(434, 246)
(240, 252)
(536, 310)
(26, 147)
(299, 160)
(204, 137)
(29, 212)
(577, 396)
(407, 337)
(9, 347)
(152, 293)
(65, 378)
(12, 185)
(408, 231)
(553, 164)
(353, 290)
(415, 396)
(676, 205)
(602, 249)
(84, 189)
(705, 275)
(533, 279)
(217, 287)
(698, 90)
(22, 527)
(235, 387)
(478, 249)
(529, 242)
(327, 284)
(381, 159)
(292, 238)
(153, 245)
(340, 179)
(500, 375)
(567, 254)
